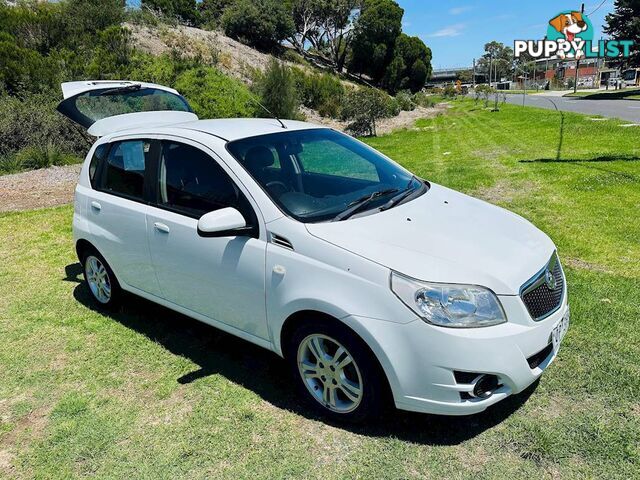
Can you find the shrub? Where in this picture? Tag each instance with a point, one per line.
(33, 121)
(10, 163)
(449, 91)
(405, 101)
(43, 156)
(23, 69)
(323, 92)
(424, 100)
(263, 24)
(214, 95)
(276, 88)
(183, 10)
(363, 107)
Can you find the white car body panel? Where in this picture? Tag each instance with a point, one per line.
(251, 287)
(446, 237)
(128, 121)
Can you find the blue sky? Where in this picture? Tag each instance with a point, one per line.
(456, 31)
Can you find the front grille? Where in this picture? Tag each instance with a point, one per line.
(540, 295)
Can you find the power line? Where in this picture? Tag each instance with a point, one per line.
(598, 7)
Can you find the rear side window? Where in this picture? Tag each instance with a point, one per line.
(94, 165)
(125, 168)
(192, 182)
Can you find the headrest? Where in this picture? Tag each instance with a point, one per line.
(258, 157)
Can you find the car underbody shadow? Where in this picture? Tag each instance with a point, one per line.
(218, 353)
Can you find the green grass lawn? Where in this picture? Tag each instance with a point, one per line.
(147, 393)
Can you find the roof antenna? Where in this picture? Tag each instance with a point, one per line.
(269, 112)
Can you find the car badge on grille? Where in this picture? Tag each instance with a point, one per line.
(550, 279)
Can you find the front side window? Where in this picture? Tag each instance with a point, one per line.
(125, 168)
(192, 183)
(319, 175)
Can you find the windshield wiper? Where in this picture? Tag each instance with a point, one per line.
(129, 88)
(399, 198)
(362, 202)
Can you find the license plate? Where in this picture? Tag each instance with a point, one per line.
(560, 330)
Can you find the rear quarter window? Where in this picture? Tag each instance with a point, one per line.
(99, 155)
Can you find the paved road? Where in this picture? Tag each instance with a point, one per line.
(624, 109)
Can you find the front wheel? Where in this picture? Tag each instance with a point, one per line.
(337, 372)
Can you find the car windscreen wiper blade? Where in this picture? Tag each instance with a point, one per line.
(126, 89)
(362, 202)
(400, 197)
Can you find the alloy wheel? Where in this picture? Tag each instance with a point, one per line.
(98, 279)
(330, 373)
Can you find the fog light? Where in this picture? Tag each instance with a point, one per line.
(484, 386)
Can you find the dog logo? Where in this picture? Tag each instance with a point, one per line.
(570, 25)
(570, 35)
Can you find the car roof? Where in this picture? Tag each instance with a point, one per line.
(230, 129)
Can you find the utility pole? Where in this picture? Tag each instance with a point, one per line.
(490, 67)
(575, 80)
(473, 81)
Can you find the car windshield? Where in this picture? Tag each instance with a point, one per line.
(319, 175)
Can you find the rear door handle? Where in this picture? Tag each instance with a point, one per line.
(96, 206)
(161, 227)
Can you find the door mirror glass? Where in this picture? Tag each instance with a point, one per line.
(226, 222)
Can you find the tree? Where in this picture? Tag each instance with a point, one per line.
(210, 11)
(410, 67)
(376, 32)
(277, 91)
(307, 18)
(624, 24)
(262, 24)
(184, 10)
(497, 61)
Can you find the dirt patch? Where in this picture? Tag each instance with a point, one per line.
(29, 427)
(6, 462)
(230, 56)
(500, 192)
(47, 187)
(584, 265)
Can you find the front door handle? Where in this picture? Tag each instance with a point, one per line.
(161, 227)
(96, 206)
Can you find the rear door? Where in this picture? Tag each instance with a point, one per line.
(117, 207)
(104, 107)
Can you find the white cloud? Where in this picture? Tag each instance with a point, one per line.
(450, 31)
(459, 10)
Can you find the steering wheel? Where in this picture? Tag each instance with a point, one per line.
(278, 186)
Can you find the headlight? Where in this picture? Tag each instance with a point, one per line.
(447, 305)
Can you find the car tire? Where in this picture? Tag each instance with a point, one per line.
(102, 283)
(346, 385)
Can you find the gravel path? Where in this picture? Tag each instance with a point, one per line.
(46, 187)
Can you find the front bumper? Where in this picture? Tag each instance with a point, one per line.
(419, 359)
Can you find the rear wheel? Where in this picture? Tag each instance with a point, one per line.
(100, 279)
(336, 372)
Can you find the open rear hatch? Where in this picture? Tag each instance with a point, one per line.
(106, 106)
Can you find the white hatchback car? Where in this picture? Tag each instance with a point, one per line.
(372, 283)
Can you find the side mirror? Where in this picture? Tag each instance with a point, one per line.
(226, 222)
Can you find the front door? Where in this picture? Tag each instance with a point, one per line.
(221, 278)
